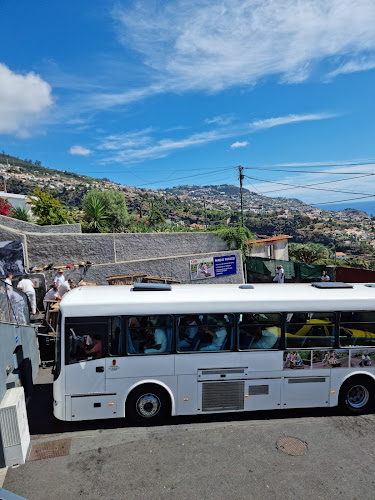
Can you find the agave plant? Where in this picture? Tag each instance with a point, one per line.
(22, 213)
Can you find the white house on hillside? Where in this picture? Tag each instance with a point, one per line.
(275, 248)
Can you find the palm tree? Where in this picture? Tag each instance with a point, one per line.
(95, 214)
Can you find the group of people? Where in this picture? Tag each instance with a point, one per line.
(331, 359)
(60, 287)
(280, 275)
(293, 360)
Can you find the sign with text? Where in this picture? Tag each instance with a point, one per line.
(225, 265)
(212, 267)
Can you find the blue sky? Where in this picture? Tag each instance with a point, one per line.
(155, 93)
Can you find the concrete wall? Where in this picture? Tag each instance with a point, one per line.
(110, 248)
(173, 266)
(20, 225)
(160, 254)
(22, 339)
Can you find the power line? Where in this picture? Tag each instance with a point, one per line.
(341, 201)
(308, 186)
(317, 183)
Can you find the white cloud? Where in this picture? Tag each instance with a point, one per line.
(238, 144)
(24, 99)
(79, 151)
(285, 120)
(353, 67)
(137, 146)
(220, 120)
(200, 44)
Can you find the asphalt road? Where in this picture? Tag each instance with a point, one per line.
(232, 456)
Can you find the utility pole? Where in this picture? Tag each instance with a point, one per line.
(241, 177)
(205, 211)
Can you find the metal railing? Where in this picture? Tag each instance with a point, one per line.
(13, 305)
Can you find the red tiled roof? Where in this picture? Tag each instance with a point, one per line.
(269, 240)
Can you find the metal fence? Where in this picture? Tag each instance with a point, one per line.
(14, 306)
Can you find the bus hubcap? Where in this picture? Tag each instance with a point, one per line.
(358, 396)
(148, 405)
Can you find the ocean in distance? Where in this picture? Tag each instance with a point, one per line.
(365, 206)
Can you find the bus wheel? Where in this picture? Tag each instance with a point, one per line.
(148, 404)
(357, 395)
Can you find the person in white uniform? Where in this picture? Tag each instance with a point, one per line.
(59, 278)
(27, 286)
(279, 275)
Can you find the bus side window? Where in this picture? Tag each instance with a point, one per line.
(85, 339)
(309, 330)
(259, 331)
(149, 334)
(357, 329)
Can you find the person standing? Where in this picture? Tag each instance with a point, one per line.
(279, 275)
(324, 276)
(27, 287)
(59, 278)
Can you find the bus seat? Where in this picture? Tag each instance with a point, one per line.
(131, 349)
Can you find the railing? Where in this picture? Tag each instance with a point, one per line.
(13, 305)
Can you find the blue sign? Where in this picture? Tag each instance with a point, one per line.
(225, 265)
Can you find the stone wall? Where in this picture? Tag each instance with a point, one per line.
(111, 248)
(27, 227)
(172, 266)
(157, 254)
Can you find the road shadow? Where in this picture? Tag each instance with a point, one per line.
(43, 422)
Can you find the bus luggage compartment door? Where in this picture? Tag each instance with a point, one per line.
(306, 392)
(93, 407)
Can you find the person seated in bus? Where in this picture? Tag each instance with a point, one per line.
(158, 340)
(218, 335)
(188, 329)
(135, 338)
(265, 338)
(95, 349)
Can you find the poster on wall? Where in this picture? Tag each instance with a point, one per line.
(212, 267)
(11, 258)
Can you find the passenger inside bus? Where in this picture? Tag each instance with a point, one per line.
(217, 336)
(95, 349)
(158, 340)
(188, 330)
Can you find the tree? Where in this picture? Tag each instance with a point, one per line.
(156, 217)
(95, 214)
(308, 252)
(108, 208)
(5, 207)
(235, 236)
(47, 209)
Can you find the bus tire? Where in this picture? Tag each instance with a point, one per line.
(357, 395)
(148, 403)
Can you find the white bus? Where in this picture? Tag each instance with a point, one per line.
(148, 351)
